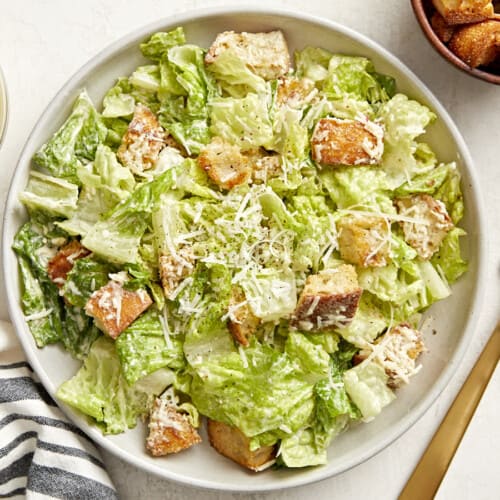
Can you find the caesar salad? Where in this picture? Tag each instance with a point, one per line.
(238, 239)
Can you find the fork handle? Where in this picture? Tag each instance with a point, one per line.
(429, 472)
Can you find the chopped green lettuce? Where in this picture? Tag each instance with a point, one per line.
(350, 186)
(356, 77)
(367, 324)
(448, 258)
(312, 63)
(118, 102)
(234, 76)
(311, 359)
(39, 295)
(145, 346)
(79, 332)
(86, 276)
(271, 293)
(38, 308)
(50, 194)
(100, 390)
(157, 46)
(117, 235)
(244, 122)
(404, 120)
(450, 193)
(315, 229)
(257, 392)
(366, 385)
(75, 142)
(147, 78)
(300, 450)
(105, 183)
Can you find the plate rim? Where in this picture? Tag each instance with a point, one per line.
(4, 107)
(445, 377)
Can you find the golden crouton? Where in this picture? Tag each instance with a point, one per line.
(443, 30)
(62, 262)
(169, 430)
(143, 141)
(364, 241)
(242, 323)
(266, 54)
(224, 164)
(464, 11)
(174, 268)
(263, 165)
(477, 44)
(114, 308)
(329, 299)
(232, 443)
(295, 92)
(430, 223)
(396, 351)
(347, 142)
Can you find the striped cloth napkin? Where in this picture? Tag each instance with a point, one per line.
(42, 454)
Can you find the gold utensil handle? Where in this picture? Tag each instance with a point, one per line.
(434, 463)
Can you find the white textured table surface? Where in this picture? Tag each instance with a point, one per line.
(42, 43)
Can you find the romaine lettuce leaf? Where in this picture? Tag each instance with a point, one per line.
(100, 390)
(310, 358)
(144, 347)
(157, 46)
(366, 385)
(349, 186)
(50, 194)
(392, 284)
(204, 302)
(193, 135)
(86, 276)
(117, 235)
(315, 231)
(43, 321)
(312, 63)
(300, 450)
(333, 411)
(450, 193)
(185, 89)
(118, 102)
(146, 78)
(75, 142)
(39, 295)
(448, 258)
(367, 324)
(290, 136)
(105, 183)
(79, 332)
(257, 392)
(234, 76)
(356, 77)
(404, 120)
(271, 293)
(244, 121)
(436, 287)
(428, 182)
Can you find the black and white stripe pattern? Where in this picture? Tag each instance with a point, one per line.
(42, 455)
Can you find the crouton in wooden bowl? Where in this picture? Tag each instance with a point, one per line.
(465, 32)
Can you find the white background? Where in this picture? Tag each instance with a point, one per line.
(42, 43)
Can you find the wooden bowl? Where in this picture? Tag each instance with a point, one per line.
(423, 11)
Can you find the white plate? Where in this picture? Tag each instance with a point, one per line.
(454, 318)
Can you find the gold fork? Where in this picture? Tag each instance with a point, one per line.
(429, 472)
